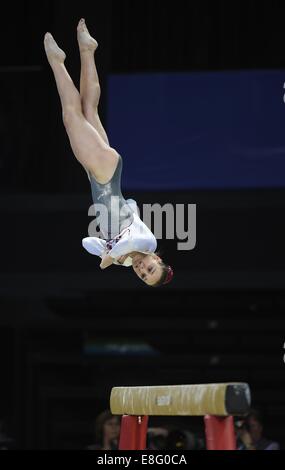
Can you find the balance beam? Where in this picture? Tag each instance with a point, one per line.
(182, 400)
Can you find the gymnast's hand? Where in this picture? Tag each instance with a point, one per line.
(107, 260)
(122, 259)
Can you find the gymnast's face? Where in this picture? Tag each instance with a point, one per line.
(147, 268)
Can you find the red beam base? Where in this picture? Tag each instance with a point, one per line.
(133, 433)
(220, 433)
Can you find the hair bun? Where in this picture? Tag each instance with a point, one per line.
(169, 275)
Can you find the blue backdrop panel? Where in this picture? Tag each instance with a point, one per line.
(199, 130)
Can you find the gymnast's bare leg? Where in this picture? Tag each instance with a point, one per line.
(89, 82)
(89, 147)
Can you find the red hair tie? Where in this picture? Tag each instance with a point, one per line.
(169, 275)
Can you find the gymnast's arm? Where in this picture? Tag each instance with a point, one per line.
(96, 246)
(108, 260)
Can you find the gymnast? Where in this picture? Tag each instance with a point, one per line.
(129, 242)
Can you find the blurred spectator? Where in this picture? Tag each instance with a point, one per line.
(175, 439)
(107, 432)
(156, 438)
(182, 439)
(250, 433)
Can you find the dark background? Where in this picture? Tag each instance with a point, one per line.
(207, 130)
(221, 319)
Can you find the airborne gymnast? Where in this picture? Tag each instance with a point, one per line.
(125, 240)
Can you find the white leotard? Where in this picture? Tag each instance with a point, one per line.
(137, 237)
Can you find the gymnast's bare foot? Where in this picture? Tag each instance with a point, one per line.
(53, 52)
(85, 41)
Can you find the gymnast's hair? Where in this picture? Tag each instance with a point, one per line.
(167, 273)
